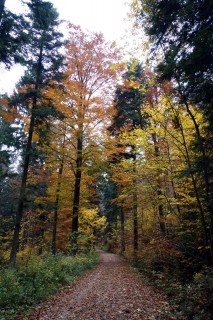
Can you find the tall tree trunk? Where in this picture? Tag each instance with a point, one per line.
(77, 186)
(206, 170)
(19, 214)
(207, 240)
(58, 188)
(162, 224)
(55, 218)
(122, 230)
(174, 194)
(206, 177)
(135, 210)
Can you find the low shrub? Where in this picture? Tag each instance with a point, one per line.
(27, 285)
(194, 300)
(189, 291)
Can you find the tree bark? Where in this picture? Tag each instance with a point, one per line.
(206, 170)
(122, 230)
(77, 187)
(58, 188)
(55, 219)
(162, 224)
(135, 210)
(207, 239)
(19, 214)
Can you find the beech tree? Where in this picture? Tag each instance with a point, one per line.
(43, 66)
(91, 71)
(57, 151)
(180, 30)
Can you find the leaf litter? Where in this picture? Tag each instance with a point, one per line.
(111, 291)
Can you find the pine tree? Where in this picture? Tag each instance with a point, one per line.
(43, 68)
(13, 37)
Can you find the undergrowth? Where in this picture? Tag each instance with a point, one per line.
(28, 284)
(189, 291)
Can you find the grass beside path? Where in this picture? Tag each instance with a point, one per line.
(29, 284)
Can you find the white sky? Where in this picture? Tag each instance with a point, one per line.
(106, 16)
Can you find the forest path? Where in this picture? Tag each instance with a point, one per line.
(110, 291)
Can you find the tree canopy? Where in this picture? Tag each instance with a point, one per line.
(97, 152)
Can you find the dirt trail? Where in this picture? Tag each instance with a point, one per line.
(110, 291)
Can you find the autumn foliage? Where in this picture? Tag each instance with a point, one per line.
(108, 154)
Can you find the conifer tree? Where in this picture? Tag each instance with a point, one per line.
(13, 37)
(43, 68)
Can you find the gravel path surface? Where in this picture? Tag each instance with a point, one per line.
(110, 291)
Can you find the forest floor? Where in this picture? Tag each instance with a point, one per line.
(112, 290)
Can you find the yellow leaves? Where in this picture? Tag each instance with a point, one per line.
(198, 275)
(90, 224)
(153, 241)
(172, 219)
(114, 66)
(8, 112)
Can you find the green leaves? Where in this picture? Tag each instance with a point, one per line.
(38, 278)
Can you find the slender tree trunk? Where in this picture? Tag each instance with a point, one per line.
(55, 219)
(171, 179)
(2, 4)
(205, 168)
(77, 186)
(19, 214)
(122, 230)
(159, 191)
(197, 195)
(58, 188)
(135, 210)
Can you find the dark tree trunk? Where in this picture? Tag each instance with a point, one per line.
(76, 199)
(174, 194)
(19, 214)
(135, 210)
(55, 219)
(162, 225)
(207, 239)
(206, 170)
(122, 230)
(58, 188)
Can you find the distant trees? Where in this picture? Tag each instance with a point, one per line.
(128, 104)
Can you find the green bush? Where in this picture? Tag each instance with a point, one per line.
(27, 285)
